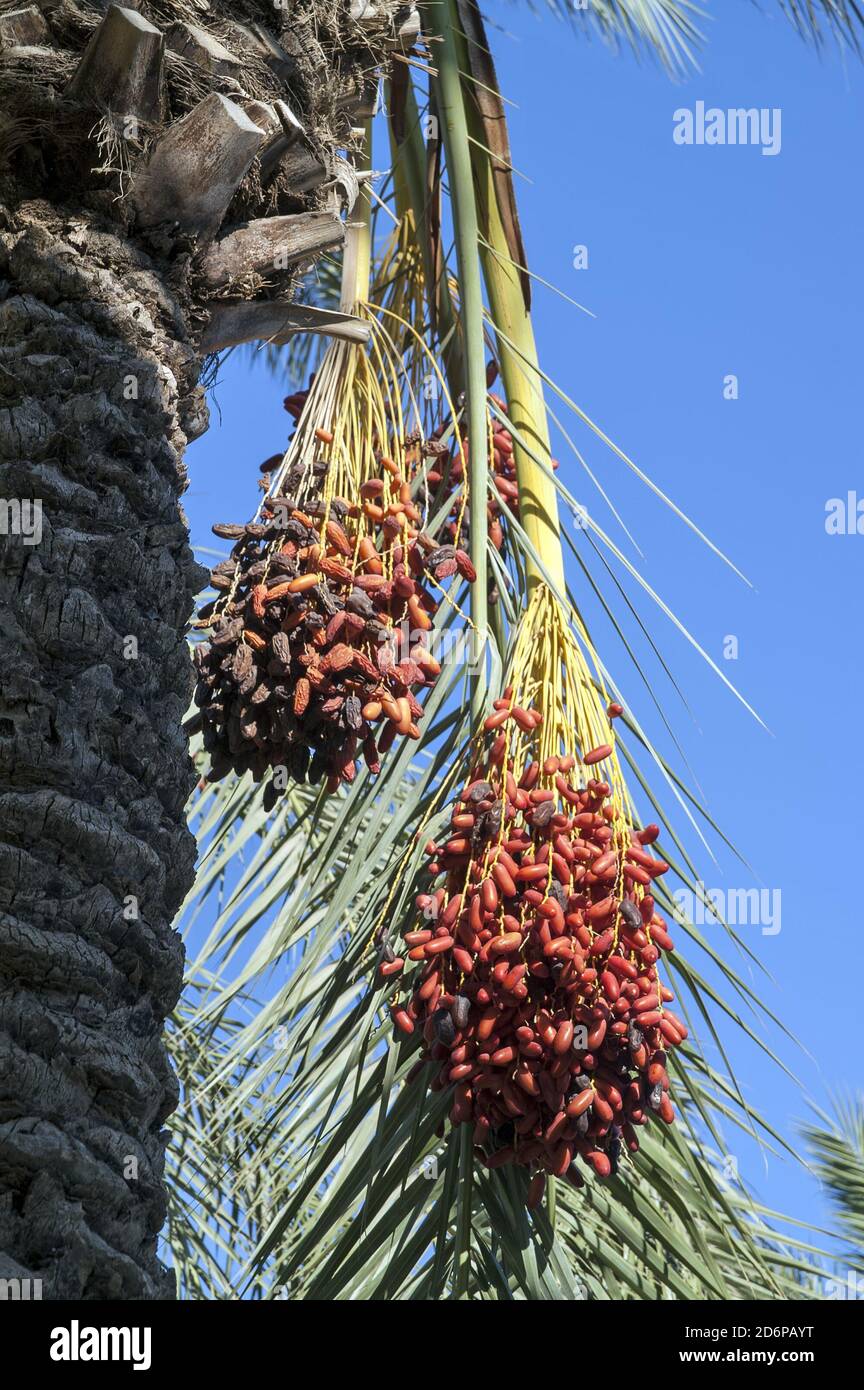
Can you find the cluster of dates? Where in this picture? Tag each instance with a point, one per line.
(537, 991)
(316, 649)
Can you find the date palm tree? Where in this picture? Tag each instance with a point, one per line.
(165, 170)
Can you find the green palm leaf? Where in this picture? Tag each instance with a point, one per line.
(669, 29)
(837, 1152)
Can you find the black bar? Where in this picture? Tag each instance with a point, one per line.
(219, 1338)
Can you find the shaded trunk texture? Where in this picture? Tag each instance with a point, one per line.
(109, 247)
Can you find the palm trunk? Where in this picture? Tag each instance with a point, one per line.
(94, 851)
(103, 304)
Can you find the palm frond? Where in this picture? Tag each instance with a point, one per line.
(815, 19)
(303, 1158)
(837, 1151)
(669, 29)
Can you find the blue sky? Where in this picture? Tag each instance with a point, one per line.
(704, 262)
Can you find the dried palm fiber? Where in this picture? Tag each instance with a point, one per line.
(537, 943)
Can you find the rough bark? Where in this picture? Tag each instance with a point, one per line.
(100, 325)
(97, 400)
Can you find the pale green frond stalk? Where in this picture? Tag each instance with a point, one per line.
(518, 361)
(455, 134)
